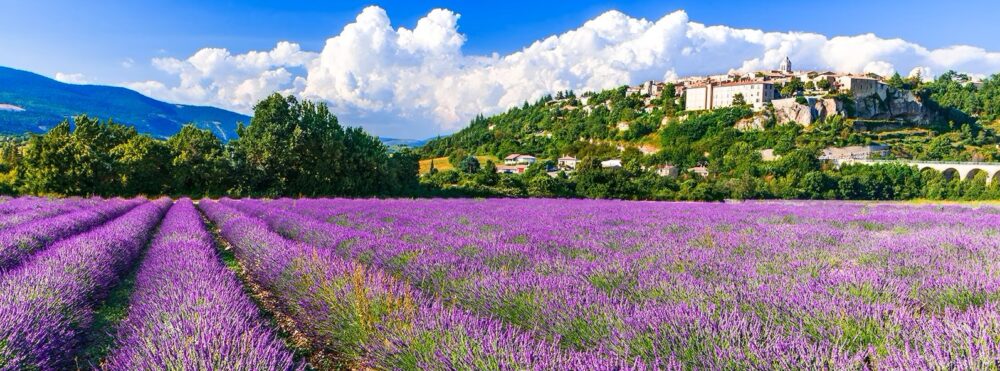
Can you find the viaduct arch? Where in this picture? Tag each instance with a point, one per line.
(964, 170)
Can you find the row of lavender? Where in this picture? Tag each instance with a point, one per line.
(707, 285)
(47, 302)
(356, 316)
(52, 221)
(187, 309)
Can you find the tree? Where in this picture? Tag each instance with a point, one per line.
(824, 84)
(791, 88)
(896, 81)
(738, 100)
(470, 164)
(404, 170)
(299, 148)
(488, 174)
(199, 166)
(143, 166)
(815, 185)
(77, 162)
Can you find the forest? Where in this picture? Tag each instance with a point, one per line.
(290, 148)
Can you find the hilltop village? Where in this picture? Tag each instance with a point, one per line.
(793, 96)
(764, 134)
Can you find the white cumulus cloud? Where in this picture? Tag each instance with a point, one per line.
(71, 78)
(214, 76)
(418, 82)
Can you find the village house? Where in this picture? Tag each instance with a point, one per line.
(768, 155)
(855, 152)
(650, 88)
(859, 86)
(700, 170)
(718, 95)
(667, 170)
(511, 169)
(519, 159)
(612, 163)
(648, 149)
(566, 162)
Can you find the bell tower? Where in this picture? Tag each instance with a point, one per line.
(786, 65)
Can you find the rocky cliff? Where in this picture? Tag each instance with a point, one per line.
(887, 104)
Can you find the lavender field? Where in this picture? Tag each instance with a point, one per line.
(496, 284)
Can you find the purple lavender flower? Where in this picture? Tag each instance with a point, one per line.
(189, 311)
(47, 302)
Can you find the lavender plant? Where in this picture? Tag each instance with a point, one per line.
(46, 303)
(188, 311)
(21, 241)
(362, 317)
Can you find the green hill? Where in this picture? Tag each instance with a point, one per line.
(603, 124)
(957, 122)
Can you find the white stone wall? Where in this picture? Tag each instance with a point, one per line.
(861, 87)
(754, 94)
(696, 98)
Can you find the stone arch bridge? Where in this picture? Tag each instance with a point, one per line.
(950, 169)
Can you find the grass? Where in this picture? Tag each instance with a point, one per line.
(442, 163)
(265, 302)
(101, 336)
(974, 203)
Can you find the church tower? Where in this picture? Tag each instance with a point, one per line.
(786, 65)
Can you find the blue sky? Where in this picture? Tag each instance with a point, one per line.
(115, 42)
(95, 37)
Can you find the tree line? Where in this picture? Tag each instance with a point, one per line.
(290, 148)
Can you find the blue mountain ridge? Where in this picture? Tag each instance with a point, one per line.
(32, 103)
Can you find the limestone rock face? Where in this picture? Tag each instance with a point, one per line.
(893, 105)
(756, 122)
(786, 110)
(887, 104)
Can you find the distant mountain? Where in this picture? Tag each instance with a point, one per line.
(33, 103)
(390, 142)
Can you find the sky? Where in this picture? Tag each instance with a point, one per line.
(410, 69)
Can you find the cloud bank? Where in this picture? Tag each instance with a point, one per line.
(417, 82)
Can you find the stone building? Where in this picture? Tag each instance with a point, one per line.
(716, 95)
(650, 88)
(860, 86)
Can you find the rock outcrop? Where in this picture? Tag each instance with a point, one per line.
(887, 104)
(892, 104)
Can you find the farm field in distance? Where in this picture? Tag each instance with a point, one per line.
(496, 284)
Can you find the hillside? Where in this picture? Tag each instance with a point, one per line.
(31, 103)
(733, 152)
(605, 123)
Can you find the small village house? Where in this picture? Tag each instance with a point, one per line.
(768, 155)
(667, 170)
(511, 169)
(519, 159)
(567, 162)
(612, 163)
(700, 170)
